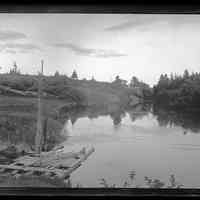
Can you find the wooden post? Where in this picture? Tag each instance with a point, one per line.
(44, 141)
(38, 138)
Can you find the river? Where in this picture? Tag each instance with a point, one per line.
(145, 141)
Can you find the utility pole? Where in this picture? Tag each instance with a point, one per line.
(38, 138)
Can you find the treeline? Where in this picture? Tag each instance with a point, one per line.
(178, 91)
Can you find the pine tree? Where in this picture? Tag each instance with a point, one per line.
(15, 69)
(57, 73)
(186, 74)
(134, 82)
(74, 75)
(93, 79)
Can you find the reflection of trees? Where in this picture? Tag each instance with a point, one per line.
(165, 117)
(114, 111)
(93, 115)
(189, 120)
(73, 119)
(117, 116)
(138, 111)
(20, 131)
(136, 115)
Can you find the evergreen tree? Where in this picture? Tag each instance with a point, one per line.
(15, 69)
(186, 74)
(93, 79)
(56, 73)
(134, 82)
(178, 91)
(74, 75)
(117, 80)
(171, 77)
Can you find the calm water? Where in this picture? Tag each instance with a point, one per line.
(153, 143)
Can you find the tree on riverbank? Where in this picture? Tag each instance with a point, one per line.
(178, 91)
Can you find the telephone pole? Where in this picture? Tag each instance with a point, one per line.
(38, 138)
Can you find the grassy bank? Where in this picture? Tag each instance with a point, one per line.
(18, 118)
(79, 92)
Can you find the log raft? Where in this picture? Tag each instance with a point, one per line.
(52, 164)
(55, 163)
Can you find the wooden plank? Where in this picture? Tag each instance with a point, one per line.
(2, 170)
(17, 175)
(28, 173)
(78, 163)
(61, 163)
(25, 157)
(70, 170)
(87, 154)
(48, 174)
(56, 153)
(26, 160)
(29, 160)
(15, 172)
(57, 160)
(39, 169)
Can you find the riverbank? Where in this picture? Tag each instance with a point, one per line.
(74, 91)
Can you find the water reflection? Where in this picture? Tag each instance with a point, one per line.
(189, 121)
(117, 117)
(115, 112)
(139, 111)
(20, 130)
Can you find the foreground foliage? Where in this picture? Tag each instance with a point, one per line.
(149, 182)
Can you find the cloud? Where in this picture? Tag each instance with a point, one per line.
(137, 21)
(20, 47)
(101, 53)
(122, 26)
(11, 35)
(11, 51)
(144, 22)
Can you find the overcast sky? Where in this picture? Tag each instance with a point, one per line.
(101, 45)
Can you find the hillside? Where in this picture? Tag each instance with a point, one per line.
(80, 92)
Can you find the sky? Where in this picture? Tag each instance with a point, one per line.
(101, 45)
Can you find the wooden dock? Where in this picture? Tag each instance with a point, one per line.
(52, 164)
